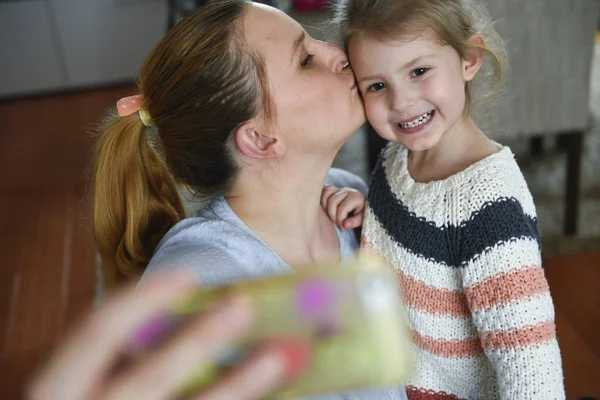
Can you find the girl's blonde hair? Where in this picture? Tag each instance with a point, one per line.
(454, 22)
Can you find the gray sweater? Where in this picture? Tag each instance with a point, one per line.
(218, 248)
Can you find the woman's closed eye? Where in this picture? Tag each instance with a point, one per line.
(376, 87)
(305, 63)
(417, 72)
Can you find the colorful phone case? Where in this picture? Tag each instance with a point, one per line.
(351, 314)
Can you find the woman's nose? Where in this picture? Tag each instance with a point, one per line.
(337, 60)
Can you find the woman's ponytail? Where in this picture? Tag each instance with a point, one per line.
(135, 198)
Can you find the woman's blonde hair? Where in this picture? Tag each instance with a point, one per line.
(199, 84)
(454, 22)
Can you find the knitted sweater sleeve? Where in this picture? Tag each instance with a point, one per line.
(509, 298)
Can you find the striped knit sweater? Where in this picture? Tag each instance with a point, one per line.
(467, 255)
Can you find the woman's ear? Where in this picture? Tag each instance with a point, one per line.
(473, 57)
(254, 144)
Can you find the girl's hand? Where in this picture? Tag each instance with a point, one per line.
(345, 207)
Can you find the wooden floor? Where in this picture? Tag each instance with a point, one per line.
(47, 274)
(575, 286)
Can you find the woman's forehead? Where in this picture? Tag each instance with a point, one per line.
(270, 31)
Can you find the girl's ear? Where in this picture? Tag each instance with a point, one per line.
(473, 57)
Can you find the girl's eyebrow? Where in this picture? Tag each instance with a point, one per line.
(415, 61)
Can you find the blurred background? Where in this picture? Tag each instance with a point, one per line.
(64, 62)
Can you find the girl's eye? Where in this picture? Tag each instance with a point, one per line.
(415, 73)
(376, 87)
(306, 62)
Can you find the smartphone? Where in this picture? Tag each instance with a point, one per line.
(351, 313)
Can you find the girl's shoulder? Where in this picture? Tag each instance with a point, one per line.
(496, 179)
(497, 172)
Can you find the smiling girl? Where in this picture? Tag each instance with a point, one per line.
(448, 207)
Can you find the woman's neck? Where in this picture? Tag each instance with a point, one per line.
(282, 206)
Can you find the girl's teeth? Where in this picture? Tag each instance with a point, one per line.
(419, 121)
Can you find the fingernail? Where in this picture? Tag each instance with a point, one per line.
(152, 331)
(296, 355)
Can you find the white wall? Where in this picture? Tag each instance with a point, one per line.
(28, 61)
(63, 44)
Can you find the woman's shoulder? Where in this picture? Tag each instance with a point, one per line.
(214, 250)
(195, 244)
(342, 178)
